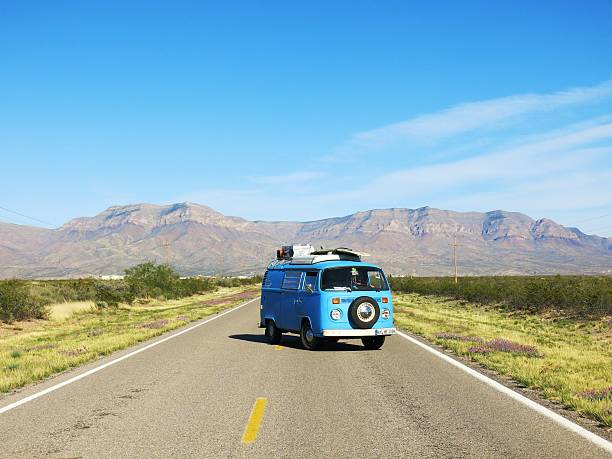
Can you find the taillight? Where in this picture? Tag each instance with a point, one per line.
(385, 299)
(335, 300)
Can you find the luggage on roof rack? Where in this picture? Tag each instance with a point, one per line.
(287, 252)
(306, 255)
(339, 251)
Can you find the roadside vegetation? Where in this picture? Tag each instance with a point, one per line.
(50, 326)
(566, 357)
(23, 299)
(577, 296)
(31, 351)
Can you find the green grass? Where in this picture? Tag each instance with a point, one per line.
(581, 296)
(41, 349)
(575, 356)
(22, 299)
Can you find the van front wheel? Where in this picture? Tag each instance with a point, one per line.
(373, 342)
(273, 334)
(309, 340)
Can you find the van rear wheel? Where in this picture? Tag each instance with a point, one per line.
(373, 342)
(273, 334)
(309, 340)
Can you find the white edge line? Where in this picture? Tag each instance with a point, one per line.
(78, 377)
(587, 434)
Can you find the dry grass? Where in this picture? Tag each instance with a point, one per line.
(62, 311)
(35, 350)
(564, 359)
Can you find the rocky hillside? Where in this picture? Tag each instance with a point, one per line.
(199, 240)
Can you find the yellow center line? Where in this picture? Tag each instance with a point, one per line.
(278, 347)
(252, 427)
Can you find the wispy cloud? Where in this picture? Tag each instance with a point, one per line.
(559, 166)
(556, 193)
(555, 155)
(471, 116)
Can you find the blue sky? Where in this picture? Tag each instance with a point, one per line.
(281, 110)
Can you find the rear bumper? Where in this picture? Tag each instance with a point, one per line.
(358, 333)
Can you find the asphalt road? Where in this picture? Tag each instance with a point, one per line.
(193, 396)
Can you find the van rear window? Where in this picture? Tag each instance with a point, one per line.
(354, 278)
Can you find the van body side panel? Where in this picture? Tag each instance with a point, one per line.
(288, 310)
(309, 305)
(289, 302)
(271, 296)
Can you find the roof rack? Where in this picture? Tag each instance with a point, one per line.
(342, 251)
(306, 255)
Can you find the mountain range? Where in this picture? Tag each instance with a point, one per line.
(196, 239)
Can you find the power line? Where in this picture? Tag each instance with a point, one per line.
(604, 230)
(594, 218)
(27, 216)
(9, 220)
(601, 228)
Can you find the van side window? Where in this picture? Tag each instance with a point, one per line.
(291, 281)
(311, 279)
(267, 281)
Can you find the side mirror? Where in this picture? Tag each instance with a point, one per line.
(308, 288)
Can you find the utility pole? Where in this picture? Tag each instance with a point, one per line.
(454, 244)
(414, 271)
(166, 246)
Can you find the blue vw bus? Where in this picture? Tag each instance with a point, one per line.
(324, 296)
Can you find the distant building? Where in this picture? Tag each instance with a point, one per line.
(111, 277)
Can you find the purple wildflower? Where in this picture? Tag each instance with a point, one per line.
(458, 337)
(598, 394)
(480, 350)
(41, 347)
(161, 323)
(505, 345)
(73, 352)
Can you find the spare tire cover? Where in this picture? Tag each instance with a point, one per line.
(364, 312)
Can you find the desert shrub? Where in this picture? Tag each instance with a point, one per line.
(59, 291)
(237, 281)
(113, 292)
(577, 295)
(16, 302)
(193, 285)
(150, 280)
(20, 299)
